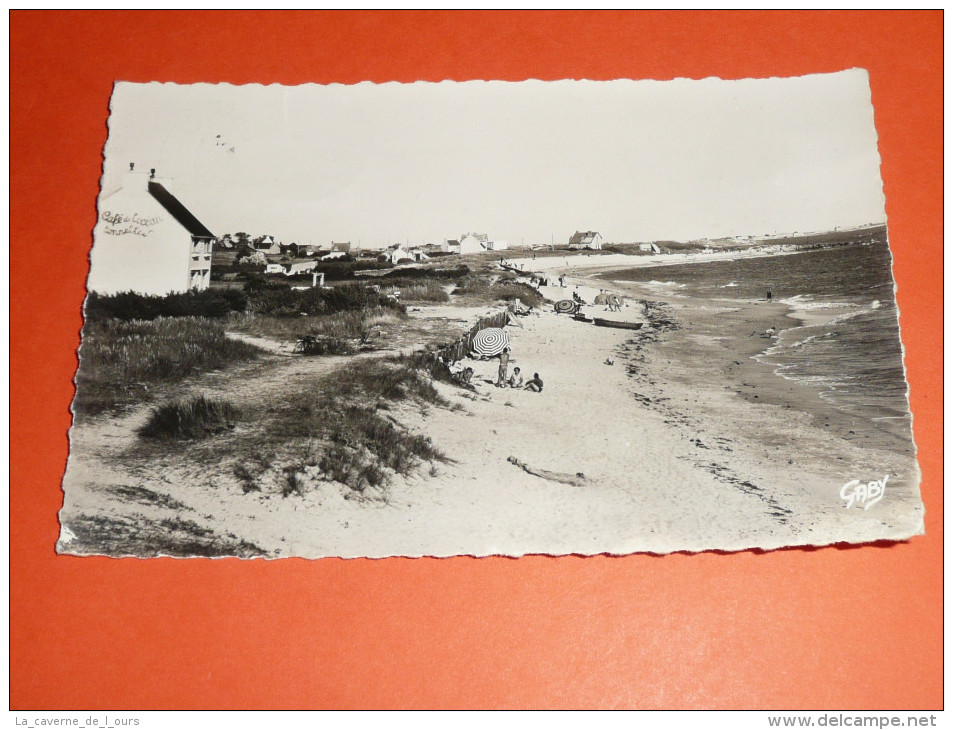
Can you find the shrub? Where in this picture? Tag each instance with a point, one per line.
(342, 464)
(511, 290)
(197, 418)
(424, 291)
(246, 477)
(406, 276)
(363, 429)
(283, 301)
(129, 305)
(292, 483)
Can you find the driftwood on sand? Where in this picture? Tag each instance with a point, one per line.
(577, 480)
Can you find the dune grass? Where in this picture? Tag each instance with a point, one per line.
(197, 418)
(342, 425)
(359, 327)
(121, 362)
(487, 288)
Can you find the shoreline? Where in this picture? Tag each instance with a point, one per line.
(604, 263)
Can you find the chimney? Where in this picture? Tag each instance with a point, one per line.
(132, 179)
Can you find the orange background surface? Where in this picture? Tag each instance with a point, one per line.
(834, 628)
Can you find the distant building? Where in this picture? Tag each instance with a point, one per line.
(301, 267)
(586, 239)
(146, 241)
(395, 255)
(267, 244)
(496, 245)
(650, 247)
(473, 243)
(341, 247)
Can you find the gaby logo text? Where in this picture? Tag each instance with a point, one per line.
(862, 494)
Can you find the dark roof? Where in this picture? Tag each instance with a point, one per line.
(178, 211)
(583, 237)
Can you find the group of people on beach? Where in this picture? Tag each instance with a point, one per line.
(515, 380)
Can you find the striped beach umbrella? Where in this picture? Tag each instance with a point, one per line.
(566, 306)
(489, 342)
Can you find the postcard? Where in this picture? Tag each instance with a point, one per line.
(490, 318)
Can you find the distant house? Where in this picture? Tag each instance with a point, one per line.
(586, 239)
(147, 241)
(395, 255)
(473, 243)
(267, 244)
(452, 245)
(432, 248)
(418, 254)
(301, 267)
(342, 247)
(330, 255)
(496, 245)
(274, 269)
(650, 248)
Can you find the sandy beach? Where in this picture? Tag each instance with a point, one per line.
(672, 437)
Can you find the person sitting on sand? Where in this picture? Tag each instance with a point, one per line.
(516, 379)
(535, 385)
(504, 364)
(463, 378)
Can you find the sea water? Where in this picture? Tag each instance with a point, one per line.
(841, 335)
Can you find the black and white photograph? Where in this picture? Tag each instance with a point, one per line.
(490, 318)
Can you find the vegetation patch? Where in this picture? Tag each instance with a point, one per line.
(198, 418)
(489, 289)
(120, 361)
(147, 496)
(280, 300)
(128, 306)
(143, 537)
(340, 425)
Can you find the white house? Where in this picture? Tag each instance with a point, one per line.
(586, 239)
(650, 248)
(396, 255)
(146, 241)
(274, 269)
(301, 267)
(496, 245)
(473, 243)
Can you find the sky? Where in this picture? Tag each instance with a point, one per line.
(528, 162)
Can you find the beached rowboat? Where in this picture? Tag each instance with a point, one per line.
(616, 323)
